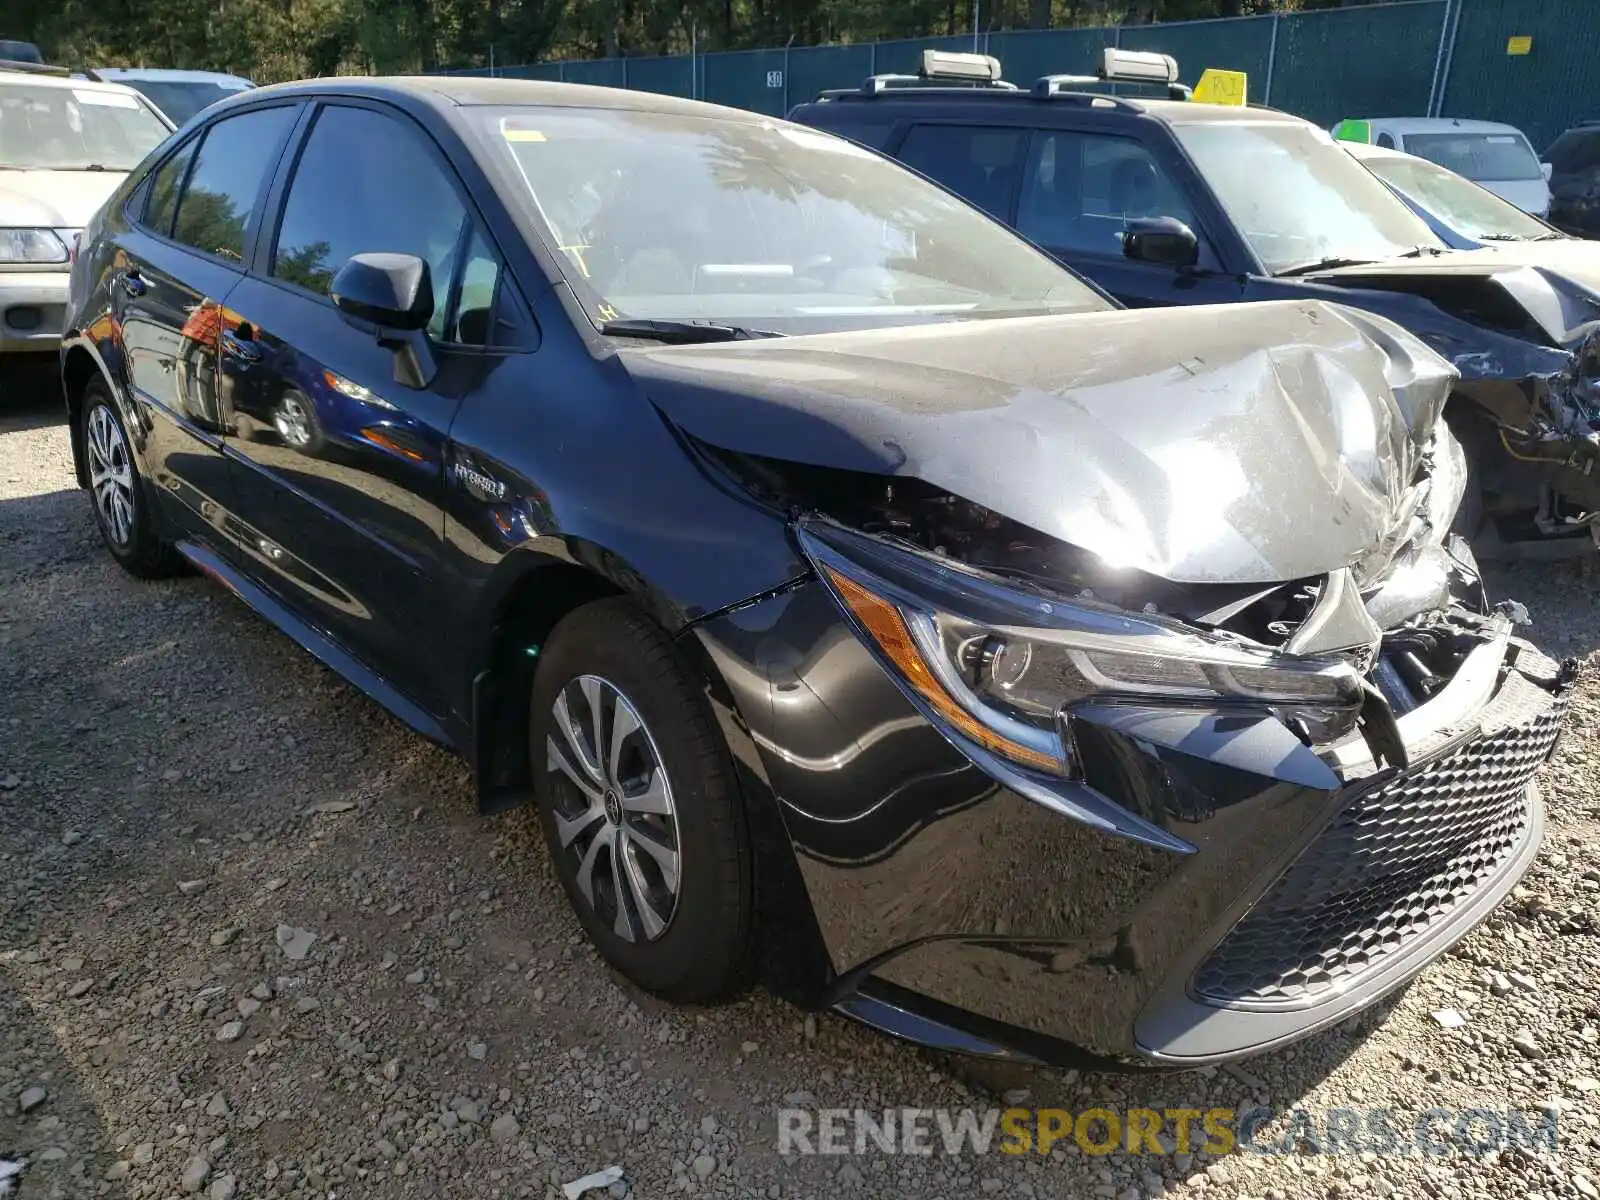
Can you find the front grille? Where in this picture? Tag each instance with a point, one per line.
(1390, 866)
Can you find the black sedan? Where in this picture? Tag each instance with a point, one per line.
(869, 605)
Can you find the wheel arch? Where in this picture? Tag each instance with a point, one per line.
(79, 367)
(533, 591)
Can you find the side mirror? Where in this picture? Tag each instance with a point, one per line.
(395, 293)
(1548, 169)
(1165, 241)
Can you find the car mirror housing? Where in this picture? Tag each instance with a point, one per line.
(393, 291)
(1166, 241)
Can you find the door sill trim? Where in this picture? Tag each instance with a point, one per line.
(321, 647)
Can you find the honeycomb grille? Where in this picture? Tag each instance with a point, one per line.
(1389, 867)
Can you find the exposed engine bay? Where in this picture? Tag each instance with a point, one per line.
(1408, 627)
(1527, 344)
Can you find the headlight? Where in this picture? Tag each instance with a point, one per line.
(31, 246)
(1001, 666)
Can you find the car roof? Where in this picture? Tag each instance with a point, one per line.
(173, 75)
(1404, 125)
(62, 81)
(467, 91)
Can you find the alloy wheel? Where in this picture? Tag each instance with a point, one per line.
(293, 421)
(614, 813)
(111, 475)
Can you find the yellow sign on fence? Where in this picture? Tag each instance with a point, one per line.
(1221, 87)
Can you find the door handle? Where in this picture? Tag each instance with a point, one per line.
(132, 283)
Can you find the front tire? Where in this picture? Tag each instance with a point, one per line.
(639, 804)
(122, 507)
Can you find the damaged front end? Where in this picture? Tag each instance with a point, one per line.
(1149, 710)
(1526, 341)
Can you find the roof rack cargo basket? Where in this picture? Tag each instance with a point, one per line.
(1120, 66)
(945, 67)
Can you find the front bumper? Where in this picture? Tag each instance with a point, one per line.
(955, 912)
(33, 310)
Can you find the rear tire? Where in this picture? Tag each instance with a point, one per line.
(639, 804)
(123, 509)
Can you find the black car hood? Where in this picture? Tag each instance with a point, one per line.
(1218, 444)
(1544, 284)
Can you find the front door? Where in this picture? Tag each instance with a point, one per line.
(1080, 190)
(174, 267)
(339, 466)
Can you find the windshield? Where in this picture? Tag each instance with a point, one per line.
(75, 129)
(181, 100)
(760, 224)
(1495, 157)
(1298, 198)
(1459, 203)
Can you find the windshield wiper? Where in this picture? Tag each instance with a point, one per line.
(1419, 250)
(681, 333)
(1323, 264)
(1503, 237)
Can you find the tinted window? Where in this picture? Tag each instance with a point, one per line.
(181, 100)
(1575, 150)
(872, 134)
(367, 183)
(233, 161)
(474, 304)
(164, 190)
(1386, 141)
(978, 163)
(1079, 190)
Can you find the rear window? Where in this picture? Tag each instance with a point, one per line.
(180, 100)
(1495, 157)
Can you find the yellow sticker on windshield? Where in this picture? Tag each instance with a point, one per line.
(1217, 86)
(523, 135)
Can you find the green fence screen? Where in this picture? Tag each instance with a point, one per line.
(1410, 58)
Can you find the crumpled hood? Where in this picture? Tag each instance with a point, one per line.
(1220, 443)
(1554, 284)
(54, 199)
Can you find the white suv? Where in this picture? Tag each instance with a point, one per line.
(65, 145)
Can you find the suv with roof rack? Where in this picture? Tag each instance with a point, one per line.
(1166, 201)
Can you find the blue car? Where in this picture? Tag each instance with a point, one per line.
(178, 94)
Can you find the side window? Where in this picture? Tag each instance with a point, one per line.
(874, 135)
(367, 183)
(1079, 191)
(1386, 141)
(163, 191)
(473, 324)
(233, 160)
(976, 162)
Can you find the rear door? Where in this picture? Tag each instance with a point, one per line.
(339, 466)
(174, 266)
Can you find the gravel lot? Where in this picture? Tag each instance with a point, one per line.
(186, 800)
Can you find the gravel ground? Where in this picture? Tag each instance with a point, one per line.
(255, 942)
